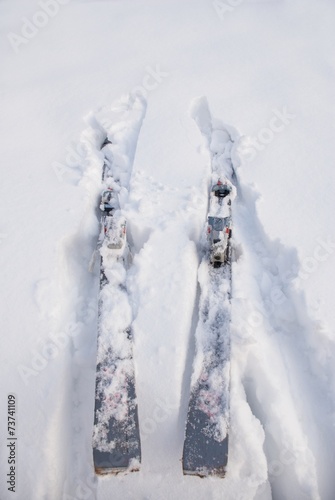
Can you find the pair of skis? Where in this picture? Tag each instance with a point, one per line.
(116, 442)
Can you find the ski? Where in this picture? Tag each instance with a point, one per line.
(205, 450)
(116, 437)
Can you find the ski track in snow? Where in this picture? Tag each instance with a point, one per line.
(275, 349)
(77, 291)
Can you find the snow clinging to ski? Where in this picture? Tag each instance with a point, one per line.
(116, 439)
(206, 438)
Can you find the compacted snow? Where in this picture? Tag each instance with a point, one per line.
(267, 70)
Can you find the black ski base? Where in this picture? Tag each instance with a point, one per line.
(126, 453)
(203, 455)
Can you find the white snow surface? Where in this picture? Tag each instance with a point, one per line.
(267, 69)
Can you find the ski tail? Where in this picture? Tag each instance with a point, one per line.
(203, 455)
(125, 453)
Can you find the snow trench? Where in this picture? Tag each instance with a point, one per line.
(112, 350)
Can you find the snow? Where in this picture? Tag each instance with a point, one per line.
(266, 69)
